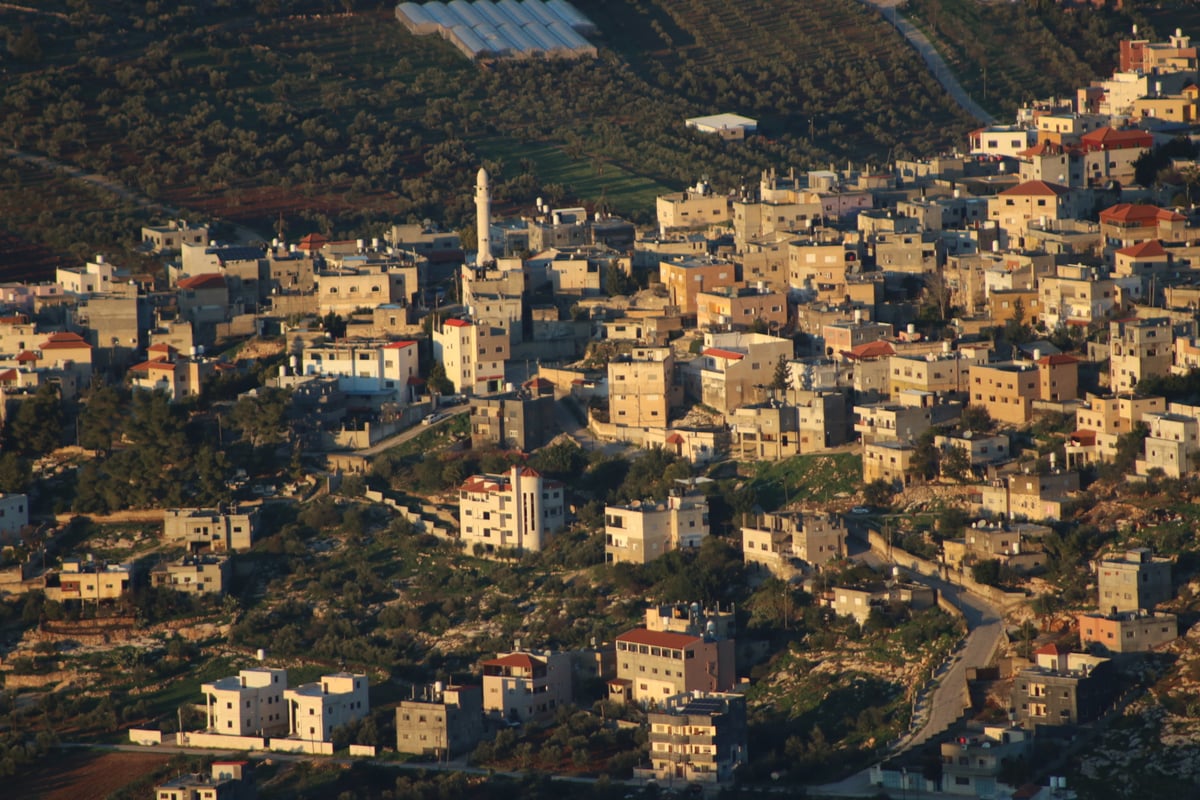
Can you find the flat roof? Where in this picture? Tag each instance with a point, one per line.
(724, 121)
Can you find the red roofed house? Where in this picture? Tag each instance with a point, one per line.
(178, 377)
(654, 665)
(1026, 204)
(1109, 154)
(518, 511)
(1127, 224)
(527, 684)
(1147, 259)
(204, 298)
(67, 351)
(473, 355)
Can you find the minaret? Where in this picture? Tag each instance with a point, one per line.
(483, 221)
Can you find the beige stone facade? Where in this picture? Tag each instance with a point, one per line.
(641, 532)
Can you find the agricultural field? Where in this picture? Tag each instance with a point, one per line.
(87, 775)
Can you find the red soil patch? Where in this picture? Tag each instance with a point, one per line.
(22, 260)
(83, 775)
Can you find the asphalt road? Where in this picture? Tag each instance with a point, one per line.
(941, 72)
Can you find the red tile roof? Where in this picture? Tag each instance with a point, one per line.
(211, 280)
(146, 366)
(458, 323)
(1050, 650)
(511, 660)
(311, 242)
(1058, 360)
(1147, 249)
(675, 641)
(1038, 188)
(717, 352)
(1109, 138)
(65, 341)
(1139, 212)
(8, 375)
(399, 345)
(674, 438)
(875, 349)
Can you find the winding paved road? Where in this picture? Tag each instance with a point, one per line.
(920, 42)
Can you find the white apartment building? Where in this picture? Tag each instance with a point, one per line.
(96, 277)
(316, 709)
(473, 355)
(641, 532)
(372, 370)
(520, 511)
(248, 704)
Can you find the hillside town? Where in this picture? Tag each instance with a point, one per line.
(873, 480)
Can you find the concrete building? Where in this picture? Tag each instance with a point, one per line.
(518, 511)
(211, 529)
(685, 277)
(226, 780)
(1063, 689)
(740, 308)
(765, 431)
(727, 126)
(1015, 209)
(1133, 581)
(199, 574)
(1101, 420)
(473, 355)
(171, 237)
(1014, 544)
(844, 336)
(888, 421)
(979, 448)
(697, 738)
(1138, 348)
(85, 579)
(888, 461)
(370, 374)
(1126, 631)
(776, 541)
(1031, 497)
(315, 710)
(178, 377)
(515, 420)
(94, 277)
(859, 601)
(248, 704)
(526, 684)
(934, 373)
(653, 666)
(445, 721)
(14, 516)
(641, 387)
(642, 531)
(1173, 441)
(697, 207)
(736, 368)
(821, 419)
(972, 762)
(434, 245)
(365, 281)
(1006, 389)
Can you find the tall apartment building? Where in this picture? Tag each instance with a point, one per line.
(1139, 348)
(1133, 581)
(316, 709)
(776, 541)
(517, 511)
(642, 531)
(698, 737)
(445, 720)
(248, 704)
(211, 529)
(514, 420)
(526, 685)
(640, 387)
(473, 354)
